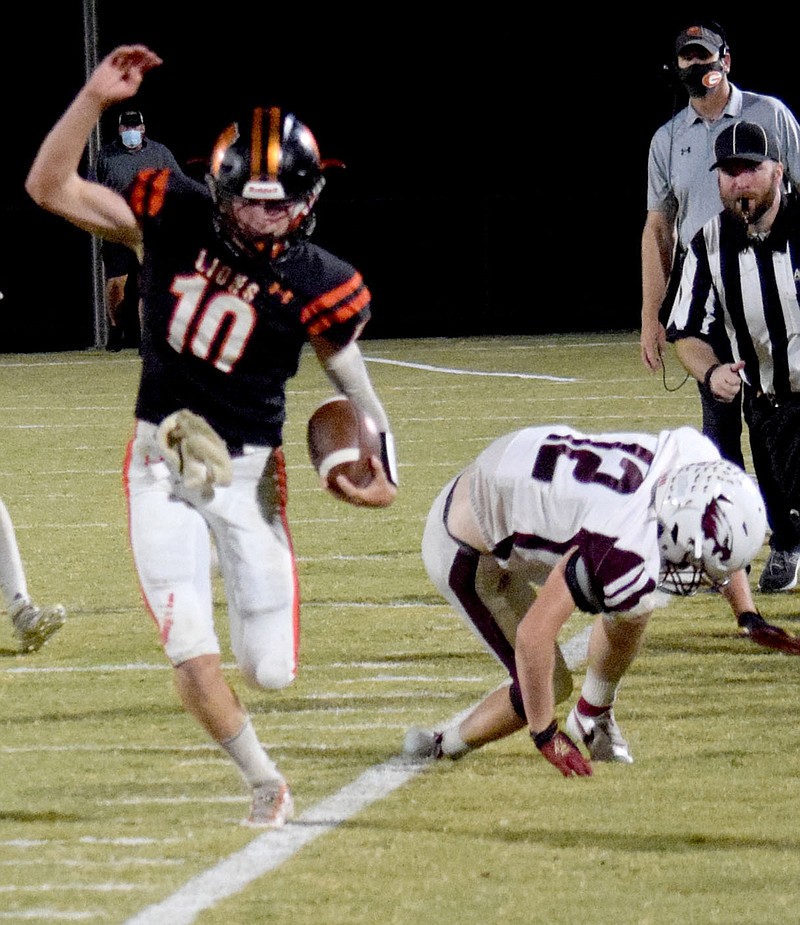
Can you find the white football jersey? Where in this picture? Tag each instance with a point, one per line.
(540, 491)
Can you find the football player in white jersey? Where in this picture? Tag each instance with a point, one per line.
(609, 523)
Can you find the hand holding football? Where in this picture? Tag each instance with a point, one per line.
(341, 440)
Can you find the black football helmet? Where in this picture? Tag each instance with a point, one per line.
(268, 156)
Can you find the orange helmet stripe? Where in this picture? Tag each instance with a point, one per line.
(256, 145)
(225, 140)
(274, 143)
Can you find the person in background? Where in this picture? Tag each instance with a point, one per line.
(33, 625)
(117, 164)
(739, 285)
(682, 194)
(609, 524)
(232, 290)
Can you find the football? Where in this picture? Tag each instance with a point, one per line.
(341, 439)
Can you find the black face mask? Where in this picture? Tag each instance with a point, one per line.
(700, 78)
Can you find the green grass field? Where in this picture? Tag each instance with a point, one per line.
(114, 808)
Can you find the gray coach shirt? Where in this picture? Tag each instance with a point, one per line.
(117, 165)
(679, 171)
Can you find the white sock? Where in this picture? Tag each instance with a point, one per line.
(452, 744)
(13, 586)
(596, 691)
(254, 764)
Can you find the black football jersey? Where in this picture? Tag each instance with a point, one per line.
(222, 332)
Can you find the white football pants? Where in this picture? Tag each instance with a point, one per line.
(171, 542)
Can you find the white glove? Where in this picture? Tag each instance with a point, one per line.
(195, 453)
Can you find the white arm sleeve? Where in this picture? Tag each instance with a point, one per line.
(348, 373)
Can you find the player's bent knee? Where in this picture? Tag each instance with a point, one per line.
(269, 674)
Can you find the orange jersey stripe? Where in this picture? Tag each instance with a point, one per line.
(330, 299)
(344, 313)
(148, 190)
(158, 189)
(337, 306)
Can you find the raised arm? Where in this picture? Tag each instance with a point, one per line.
(53, 181)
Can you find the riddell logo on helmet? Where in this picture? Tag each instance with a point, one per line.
(264, 189)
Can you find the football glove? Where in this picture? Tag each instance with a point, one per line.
(765, 634)
(195, 453)
(559, 749)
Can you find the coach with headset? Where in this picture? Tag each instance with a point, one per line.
(682, 193)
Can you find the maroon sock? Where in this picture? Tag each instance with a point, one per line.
(589, 709)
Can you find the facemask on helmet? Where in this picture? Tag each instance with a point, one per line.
(711, 522)
(265, 178)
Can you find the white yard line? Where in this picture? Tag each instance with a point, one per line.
(270, 850)
(466, 372)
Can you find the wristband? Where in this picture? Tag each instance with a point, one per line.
(708, 375)
(749, 619)
(540, 739)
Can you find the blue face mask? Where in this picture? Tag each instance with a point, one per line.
(131, 138)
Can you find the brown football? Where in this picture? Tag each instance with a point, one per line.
(341, 439)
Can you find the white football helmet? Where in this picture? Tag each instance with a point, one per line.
(711, 522)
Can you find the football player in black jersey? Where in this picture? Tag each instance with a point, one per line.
(232, 289)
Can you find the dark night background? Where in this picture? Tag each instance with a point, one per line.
(496, 159)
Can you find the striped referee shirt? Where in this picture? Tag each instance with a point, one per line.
(749, 288)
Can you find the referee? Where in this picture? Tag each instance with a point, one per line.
(742, 275)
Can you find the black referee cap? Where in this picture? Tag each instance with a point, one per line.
(745, 141)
